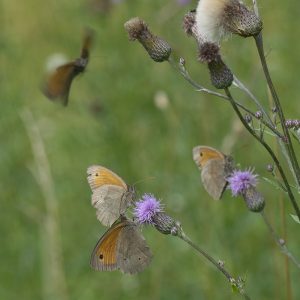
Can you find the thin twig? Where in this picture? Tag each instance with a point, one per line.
(289, 145)
(270, 151)
(242, 87)
(279, 241)
(236, 283)
(183, 71)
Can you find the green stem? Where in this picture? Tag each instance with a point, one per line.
(270, 151)
(279, 241)
(289, 145)
(234, 282)
(182, 70)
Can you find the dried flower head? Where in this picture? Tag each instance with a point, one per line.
(220, 75)
(240, 181)
(216, 18)
(189, 22)
(158, 49)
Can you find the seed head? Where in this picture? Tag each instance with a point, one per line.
(158, 49)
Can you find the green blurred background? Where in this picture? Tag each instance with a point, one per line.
(114, 118)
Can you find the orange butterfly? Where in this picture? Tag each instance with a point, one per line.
(111, 195)
(57, 86)
(121, 247)
(215, 168)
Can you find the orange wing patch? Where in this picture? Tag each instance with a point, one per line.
(104, 255)
(206, 154)
(99, 176)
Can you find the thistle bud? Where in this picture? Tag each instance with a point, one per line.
(248, 118)
(254, 200)
(258, 115)
(220, 75)
(165, 224)
(158, 49)
(238, 19)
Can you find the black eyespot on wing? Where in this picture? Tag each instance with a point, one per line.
(101, 256)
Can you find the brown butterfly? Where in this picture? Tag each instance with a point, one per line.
(57, 86)
(215, 168)
(121, 247)
(111, 195)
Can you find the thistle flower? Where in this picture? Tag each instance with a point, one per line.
(146, 208)
(244, 183)
(149, 210)
(158, 49)
(216, 18)
(240, 181)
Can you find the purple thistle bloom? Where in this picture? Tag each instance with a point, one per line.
(240, 181)
(146, 208)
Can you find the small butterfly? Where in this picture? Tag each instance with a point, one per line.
(111, 195)
(57, 86)
(121, 247)
(215, 168)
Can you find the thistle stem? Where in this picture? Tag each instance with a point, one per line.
(234, 282)
(270, 151)
(279, 241)
(289, 145)
(182, 70)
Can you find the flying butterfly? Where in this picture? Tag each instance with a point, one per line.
(111, 195)
(215, 167)
(57, 85)
(121, 247)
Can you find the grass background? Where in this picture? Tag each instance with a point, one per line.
(112, 120)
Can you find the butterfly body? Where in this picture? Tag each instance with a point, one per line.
(111, 195)
(121, 247)
(215, 168)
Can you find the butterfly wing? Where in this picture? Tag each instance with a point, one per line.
(133, 253)
(212, 164)
(58, 84)
(214, 178)
(110, 197)
(104, 255)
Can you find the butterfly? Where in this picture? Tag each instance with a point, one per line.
(215, 168)
(111, 195)
(122, 247)
(57, 86)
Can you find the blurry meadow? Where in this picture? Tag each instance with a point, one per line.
(140, 119)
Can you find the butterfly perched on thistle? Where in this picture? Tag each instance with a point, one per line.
(58, 83)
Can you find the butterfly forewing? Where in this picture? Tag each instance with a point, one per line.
(104, 256)
(111, 195)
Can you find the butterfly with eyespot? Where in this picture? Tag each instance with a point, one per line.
(58, 83)
(111, 195)
(121, 247)
(215, 167)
